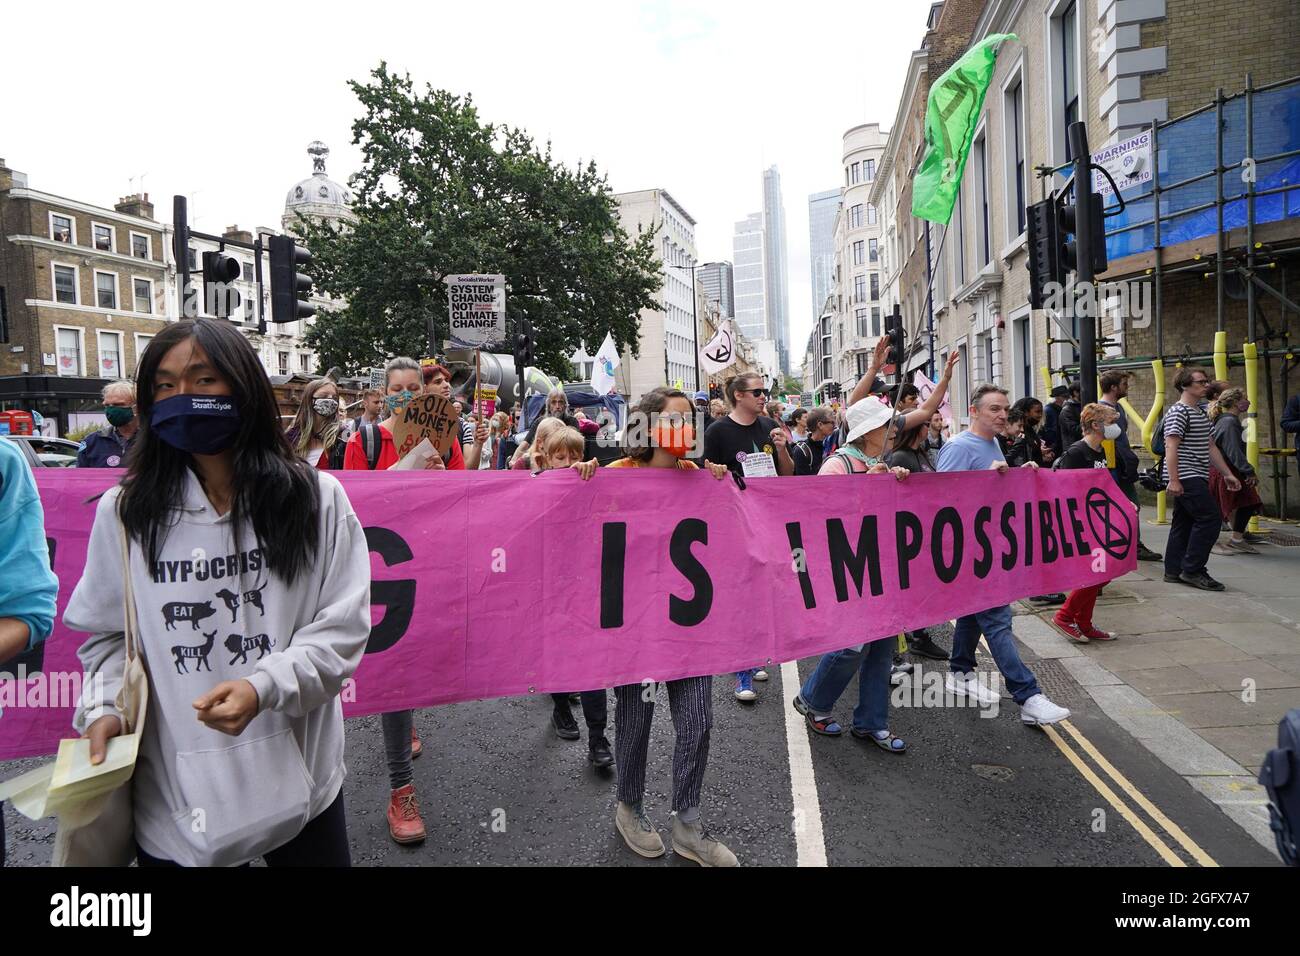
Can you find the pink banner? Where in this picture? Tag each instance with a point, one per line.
(492, 584)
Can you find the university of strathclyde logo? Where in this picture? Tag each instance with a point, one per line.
(1110, 523)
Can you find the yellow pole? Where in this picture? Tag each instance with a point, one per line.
(1149, 427)
(1047, 382)
(1221, 356)
(1251, 356)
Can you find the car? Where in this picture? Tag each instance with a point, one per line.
(42, 452)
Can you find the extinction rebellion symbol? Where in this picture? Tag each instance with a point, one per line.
(1110, 522)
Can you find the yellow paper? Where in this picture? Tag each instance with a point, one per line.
(75, 779)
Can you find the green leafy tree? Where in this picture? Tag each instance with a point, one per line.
(440, 192)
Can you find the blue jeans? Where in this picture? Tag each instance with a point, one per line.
(995, 624)
(835, 670)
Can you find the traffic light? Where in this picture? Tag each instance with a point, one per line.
(289, 287)
(715, 391)
(897, 338)
(1051, 226)
(1044, 247)
(1067, 221)
(219, 270)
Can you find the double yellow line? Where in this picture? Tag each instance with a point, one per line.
(1136, 795)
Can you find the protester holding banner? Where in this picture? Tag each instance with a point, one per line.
(977, 449)
(372, 448)
(1013, 440)
(752, 446)
(690, 700)
(28, 588)
(316, 433)
(220, 516)
(862, 454)
(471, 436)
(1099, 423)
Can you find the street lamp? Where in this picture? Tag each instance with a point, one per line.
(695, 320)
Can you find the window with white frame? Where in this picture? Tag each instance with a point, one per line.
(283, 362)
(859, 288)
(859, 252)
(102, 237)
(68, 350)
(141, 343)
(248, 272)
(855, 173)
(110, 354)
(1065, 40)
(106, 290)
(860, 318)
(1013, 122)
(1023, 345)
(873, 250)
(142, 290)
(959, 259)
(875, 286)
(855, 216)
(963, 362)
(63, 228)
(65, 284)
(875, 321)
(868, 170)
(982, 200)
(141, 246)
(304, 362)
(871, 214)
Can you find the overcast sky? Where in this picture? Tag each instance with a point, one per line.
(694, 97)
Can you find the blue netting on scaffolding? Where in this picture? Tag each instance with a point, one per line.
(1187, 149)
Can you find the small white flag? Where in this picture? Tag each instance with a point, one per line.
(602, 370)
(719, 352)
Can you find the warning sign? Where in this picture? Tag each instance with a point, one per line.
(477, 305)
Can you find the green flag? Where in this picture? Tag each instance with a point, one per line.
(951, 113)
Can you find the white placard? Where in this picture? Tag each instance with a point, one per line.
(477, 306)
(378, 379)
(758, 464)
(1129, 163)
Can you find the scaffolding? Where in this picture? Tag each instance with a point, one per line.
(1192, 196)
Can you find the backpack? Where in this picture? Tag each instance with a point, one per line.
(1152, 478)
(1280, 775)
(372, 442)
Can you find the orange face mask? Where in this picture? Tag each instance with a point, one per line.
(676, 440)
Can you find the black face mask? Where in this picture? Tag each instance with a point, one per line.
(198, 424)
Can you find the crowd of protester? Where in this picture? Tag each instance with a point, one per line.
(208, 465)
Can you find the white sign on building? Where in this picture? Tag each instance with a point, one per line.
(1129, 164)
(477, 305)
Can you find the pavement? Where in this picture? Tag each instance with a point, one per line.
(1200, 678)
(1155, 766)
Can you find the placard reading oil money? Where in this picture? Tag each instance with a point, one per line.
(428, 416)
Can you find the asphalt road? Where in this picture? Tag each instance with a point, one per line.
(497, 787)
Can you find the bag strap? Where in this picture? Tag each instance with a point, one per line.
(371, 441)
(131, 626)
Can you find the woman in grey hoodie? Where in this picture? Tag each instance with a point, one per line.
(251, 579)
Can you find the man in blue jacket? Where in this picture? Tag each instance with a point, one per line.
(28, 588)
(107, 447)
(1114, 386)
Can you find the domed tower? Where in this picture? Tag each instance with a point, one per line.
(318, 196)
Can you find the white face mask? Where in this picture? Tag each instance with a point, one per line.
(1112, 432)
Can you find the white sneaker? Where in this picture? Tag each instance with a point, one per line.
(1039, 710)
(970, 685)
(760, 674)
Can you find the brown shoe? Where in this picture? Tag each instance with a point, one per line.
(405, 825)
(417, 748)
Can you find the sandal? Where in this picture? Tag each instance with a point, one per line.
(895, 745)
(823, 724)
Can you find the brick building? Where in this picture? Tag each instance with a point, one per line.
(82, 291)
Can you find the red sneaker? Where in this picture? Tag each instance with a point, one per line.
(417, 748)
(1095, 635)
(1070, 629)
(405, 825)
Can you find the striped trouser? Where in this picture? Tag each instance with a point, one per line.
(690, 701)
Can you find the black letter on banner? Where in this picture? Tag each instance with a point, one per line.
(1065, 538)
(1029, 534)
(613, 558)
(692, 612)
(907, 538)
(1077, 525)
(1046, 532)
(397, 598)
(1009, 532)
(984, 563)
(795, 535)
(843, 556)
(946, 516)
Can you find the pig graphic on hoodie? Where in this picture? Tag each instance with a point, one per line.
(204, 798)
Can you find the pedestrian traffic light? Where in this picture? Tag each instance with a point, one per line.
(219, 270)
(897, 338)
(289, 287)
(715, 391)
